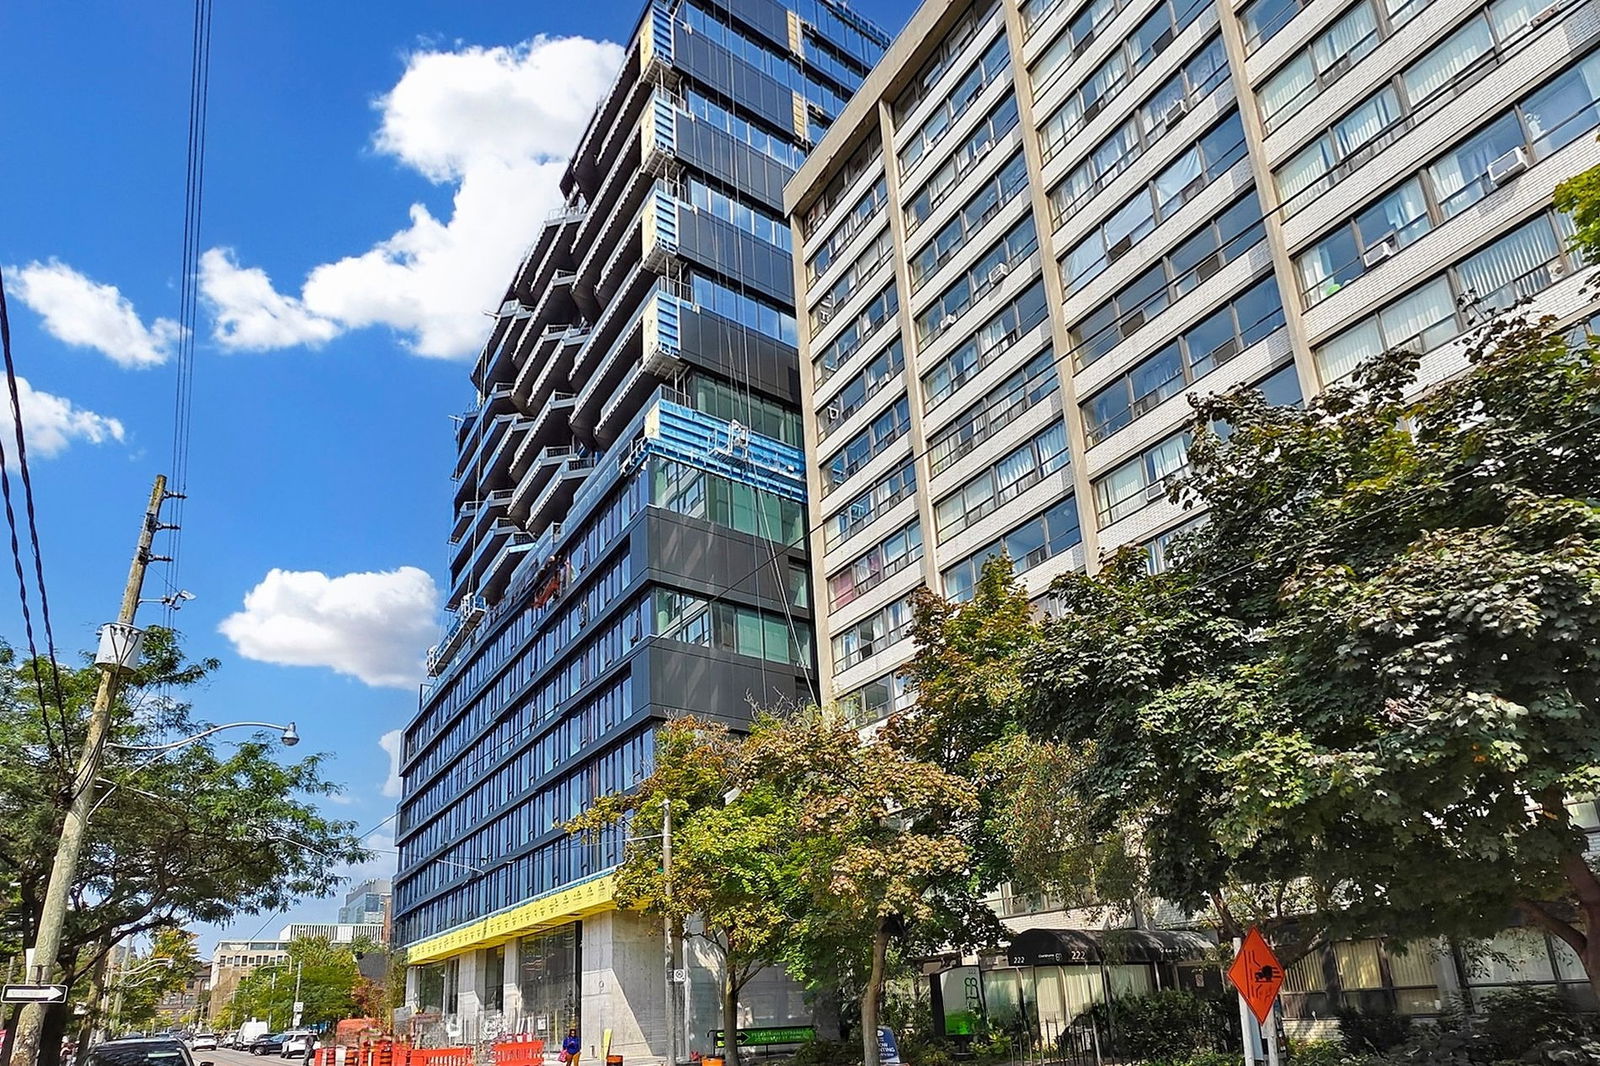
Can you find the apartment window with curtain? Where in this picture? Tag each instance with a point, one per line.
(1218, 149)
(876, 565)
(860, 512)
(866, 264)
(956, 40)
(1014, 474)
(862, 213)
(1045, 536)
(1517, 265)
(878, 631)
(1216, 243)
(883, 431)
(854, 333)
(988, 271)
(984, 205)
(1142, 480)
(1330, 56)
(1427, 83)
(989, 68)
(1001, 121)
(883, 369)
(1248, 318)
(997, 335)
(1546, 120)
(1162, 110)
(1020, 392)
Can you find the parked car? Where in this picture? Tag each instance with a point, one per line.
(295, 1041)
(267, 1044)
(204, 1042)
(142, 1051)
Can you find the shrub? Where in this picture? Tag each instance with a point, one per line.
(1516, 1021)
(1372, 1032)
(827, 1053)
(1321, 1053)
(1161, 1025)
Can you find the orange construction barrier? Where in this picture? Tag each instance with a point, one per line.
(519, 1053)
(440, 1056)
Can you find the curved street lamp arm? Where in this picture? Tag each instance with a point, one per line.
(290, 737)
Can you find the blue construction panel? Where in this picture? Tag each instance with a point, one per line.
(695, 439)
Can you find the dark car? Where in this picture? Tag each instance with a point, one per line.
(270, 1044)
(142, 1051)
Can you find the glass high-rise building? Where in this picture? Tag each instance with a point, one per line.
(628, 541)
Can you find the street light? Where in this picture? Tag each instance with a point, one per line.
(290, 737)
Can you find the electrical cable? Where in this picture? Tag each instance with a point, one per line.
(58, 749)
(188, 296)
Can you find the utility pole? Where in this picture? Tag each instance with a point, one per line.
(667, 931)
(81, 799)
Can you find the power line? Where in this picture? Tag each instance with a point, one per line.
(188, 297)
(57, 749)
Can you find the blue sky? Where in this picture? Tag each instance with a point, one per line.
(372, 174)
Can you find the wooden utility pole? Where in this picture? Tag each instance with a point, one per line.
(81, 798)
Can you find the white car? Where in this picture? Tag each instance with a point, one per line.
(204, 1042)
(295, 1041)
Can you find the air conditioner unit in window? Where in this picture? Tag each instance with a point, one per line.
(998, 272)
(835, 412)
(1208, 266)
(1121, 248)
(1545, 15)
(1174, 112)
(1088, 39)
(1131, 321)
(1161, 42)
(1508, 166)
(946, 322)
(1386, 246)
(1558, 270)
(824, 313)
(1156, 491)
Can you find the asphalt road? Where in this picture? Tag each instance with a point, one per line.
(224, 1057)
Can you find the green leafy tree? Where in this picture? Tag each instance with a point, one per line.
(147, 978)
(1374, 671)
(327, 978)
(883, 838)
(733, 878)
(194, 835)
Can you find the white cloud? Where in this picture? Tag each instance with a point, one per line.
(371, 626)
(88, 314)
(391, 743)
(495, 122)
(250, 315)
(51, 423)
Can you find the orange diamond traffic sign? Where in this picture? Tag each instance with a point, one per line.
(1257, 974)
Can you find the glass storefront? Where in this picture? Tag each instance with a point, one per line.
(549, 978)
(1041, 1000)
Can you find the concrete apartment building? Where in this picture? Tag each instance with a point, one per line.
(1040, 224)
(628, 542)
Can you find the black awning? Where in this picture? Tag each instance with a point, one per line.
(1091, 947)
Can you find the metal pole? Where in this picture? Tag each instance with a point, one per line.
(47, 944)
(671, 958)
(1272, 1036)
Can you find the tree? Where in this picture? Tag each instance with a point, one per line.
(193, 835)
(733, 868)
(968, 677)
(1374, 670)
(325, 974)
(144, 981)
(882, 838)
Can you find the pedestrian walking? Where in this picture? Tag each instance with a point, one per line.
(571, 1046)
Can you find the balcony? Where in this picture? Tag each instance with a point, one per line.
(537, 476)
(553, 500)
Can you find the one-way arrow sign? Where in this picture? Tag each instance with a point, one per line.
(34, 994)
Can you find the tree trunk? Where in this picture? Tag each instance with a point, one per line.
(730, 1008)
(873, 993)
(55, 1027)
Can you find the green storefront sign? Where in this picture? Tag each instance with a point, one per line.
(759, 1036)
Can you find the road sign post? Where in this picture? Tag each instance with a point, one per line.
(1258, 975)
(34, 994)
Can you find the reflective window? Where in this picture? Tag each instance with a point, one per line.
(1141, 480)
(884, 369)
(1001, 121)
(988, 271)
(991, 339)
(876, 565)
(884, 430)
(1024, 389)
(1042, 537)
(989, 68)
(877, 499)
(983, 206)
